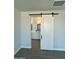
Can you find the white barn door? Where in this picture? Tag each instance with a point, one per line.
(47, 32)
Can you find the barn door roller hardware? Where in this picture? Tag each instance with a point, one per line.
(45, 14)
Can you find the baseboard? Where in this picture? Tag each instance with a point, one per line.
(55, 49)
(25, 47)
(59, 49)
(46, 49)
(17, 51)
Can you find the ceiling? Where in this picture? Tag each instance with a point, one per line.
(38, 5)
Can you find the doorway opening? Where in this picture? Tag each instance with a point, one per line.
(36, 35)
(36, 27)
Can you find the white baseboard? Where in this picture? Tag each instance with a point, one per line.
(59, 49)
(55, 49)
(25, 47)
(17, 51)
(45, 49)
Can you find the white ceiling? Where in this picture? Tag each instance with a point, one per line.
(37, 5)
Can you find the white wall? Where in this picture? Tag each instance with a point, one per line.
(17, 28)
(25, 30)
(59, 40)
(59, 31)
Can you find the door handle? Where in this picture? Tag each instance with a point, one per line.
(41, 36)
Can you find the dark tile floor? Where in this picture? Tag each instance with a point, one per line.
(44, 54)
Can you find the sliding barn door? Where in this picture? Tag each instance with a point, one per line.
(47, 32)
